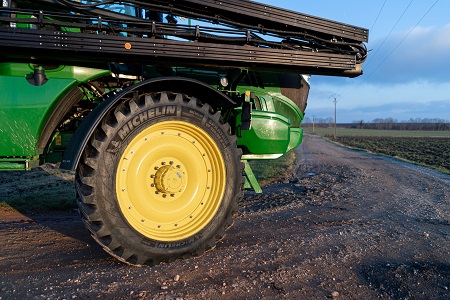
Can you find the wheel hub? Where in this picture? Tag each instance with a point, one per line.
(169, 179)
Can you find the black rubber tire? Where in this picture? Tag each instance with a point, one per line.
(96, 180)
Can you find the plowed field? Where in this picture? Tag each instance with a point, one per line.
(430, 151)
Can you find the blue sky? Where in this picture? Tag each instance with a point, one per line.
(407, 73)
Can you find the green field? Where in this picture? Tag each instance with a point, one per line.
(375, 132)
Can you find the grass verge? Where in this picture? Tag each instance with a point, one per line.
(44, 188)
(267, 171)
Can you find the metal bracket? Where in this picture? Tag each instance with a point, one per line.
(250, 179)
(246, 117)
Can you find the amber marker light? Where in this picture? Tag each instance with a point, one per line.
(127, 46)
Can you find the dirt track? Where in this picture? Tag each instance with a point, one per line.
(344, 225)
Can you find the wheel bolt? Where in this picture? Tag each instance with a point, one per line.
(164, 195)
(163, 163)
(156, 168)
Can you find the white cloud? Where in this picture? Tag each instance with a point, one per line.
(414, 82)
(425, 53)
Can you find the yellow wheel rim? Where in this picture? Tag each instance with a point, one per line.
(170, 181)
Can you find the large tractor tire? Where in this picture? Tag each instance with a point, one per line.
(160, 179)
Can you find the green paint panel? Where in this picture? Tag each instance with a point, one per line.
(79, 73)
(296, 138)
(287, 108)
(275, 121)
(24, 107)
(23, 111)
(269, 134)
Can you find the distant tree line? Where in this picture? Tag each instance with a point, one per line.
(322, 121)
(432, 124)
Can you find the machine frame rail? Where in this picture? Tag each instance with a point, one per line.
(49, 46)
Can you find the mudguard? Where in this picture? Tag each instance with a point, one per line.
(175, 84)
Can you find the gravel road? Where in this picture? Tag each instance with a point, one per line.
(343, 225)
